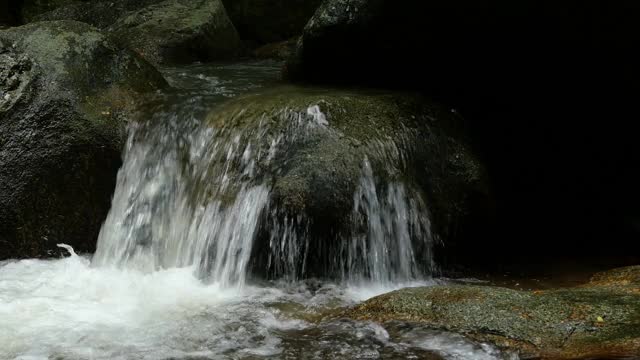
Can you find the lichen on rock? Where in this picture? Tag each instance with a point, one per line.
(600, 319)
(67, 93)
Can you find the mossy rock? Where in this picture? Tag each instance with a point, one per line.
(66, 93)
(179, 31)
(324, 137)
(98, 13)
(597, 320)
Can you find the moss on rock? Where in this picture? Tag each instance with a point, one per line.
(179, 31)
(598, 320)
(64, 103)
(325, 135)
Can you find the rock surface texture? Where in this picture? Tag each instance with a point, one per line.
(328, 140)
(599, 320)
(66, 93)
(164, 32)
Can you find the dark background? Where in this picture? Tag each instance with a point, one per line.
(549, 94)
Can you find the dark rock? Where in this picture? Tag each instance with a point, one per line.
(600, 320)
(280, 51)
(270, 21)
(403, 136)
(99, 13)
(65, 95)
(179, 31)
(30, 9)
(534, 79)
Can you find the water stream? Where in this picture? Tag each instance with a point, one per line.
(171, 278)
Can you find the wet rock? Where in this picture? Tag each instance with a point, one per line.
(598, 320)
(323, 138)
(66, 93)
(270, 21)
(179, 31)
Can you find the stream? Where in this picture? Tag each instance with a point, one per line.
(172, 277)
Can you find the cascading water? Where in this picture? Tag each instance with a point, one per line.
(383, 251)
(194, 199)
(197, 196)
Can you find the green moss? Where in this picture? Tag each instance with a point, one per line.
(583, 321)
(175, 31)
(404, 136)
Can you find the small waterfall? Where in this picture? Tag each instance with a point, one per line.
(386, 225)
(186, 201)
(193, 193)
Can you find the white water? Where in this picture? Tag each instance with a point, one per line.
(170, 279)
(66, 309)
(193, 195)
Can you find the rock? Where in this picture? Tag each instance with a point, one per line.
(30, 9)
(280, 51)
(339, 41)
(323, 137)
(270, 21)
(519, 84)
(66, 93)
(99, 13)
(598, 320)
(179, 31)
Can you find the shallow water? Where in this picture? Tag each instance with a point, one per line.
(71, 308)
(65, 309)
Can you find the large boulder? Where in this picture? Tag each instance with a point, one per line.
(325, 145)
(66, 93)
(179, 31)
(599, 320)
(534, 79)
(163, 32)
(268, 21)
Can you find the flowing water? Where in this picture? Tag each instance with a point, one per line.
(171, 278)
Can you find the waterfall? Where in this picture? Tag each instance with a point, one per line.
(192, 193)
(383, 250)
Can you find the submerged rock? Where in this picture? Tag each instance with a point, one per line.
(600, 319)
(179, 31)
(321, 148)
(65, 95)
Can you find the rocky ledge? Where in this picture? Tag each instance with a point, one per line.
(598, 320)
